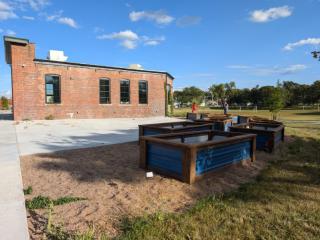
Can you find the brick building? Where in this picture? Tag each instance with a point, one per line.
(43, 88)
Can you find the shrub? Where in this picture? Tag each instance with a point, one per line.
(27, 191)
(4, 103)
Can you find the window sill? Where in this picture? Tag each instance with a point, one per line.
(105, 104)
(53, 104)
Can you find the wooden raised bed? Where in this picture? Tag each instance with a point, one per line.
(217, 124)
(189, 156)
(268, 135)
(173, 127)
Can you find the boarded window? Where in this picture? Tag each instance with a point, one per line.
(52, 89)
(124, 91)
(104, 87)
(143, 92)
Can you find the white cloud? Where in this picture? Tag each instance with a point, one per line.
(261, 16)
(6, 11)
(57, 16)
(68, 21)
(28, 18)
(54, 16)
(269, 71)
(126, 35)
(129, 44)
(152, 41)
(188, 21)
(308, 41)
(36, 4)
(130, 39)
(7, 32)
(238, 66)
(160, 17)
(10, 32)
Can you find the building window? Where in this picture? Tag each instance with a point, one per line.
(143, 92)
(52, 89)
(124, 91)
(104, 86)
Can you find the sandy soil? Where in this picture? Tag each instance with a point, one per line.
(109, 177)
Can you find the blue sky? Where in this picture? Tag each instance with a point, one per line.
(200, 42)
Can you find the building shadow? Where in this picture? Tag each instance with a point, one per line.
(87, 162)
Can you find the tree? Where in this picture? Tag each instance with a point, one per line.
(189, 95)
(223, 91)
(274, 100)
(4, 103)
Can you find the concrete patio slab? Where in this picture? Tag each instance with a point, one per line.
(53, 135)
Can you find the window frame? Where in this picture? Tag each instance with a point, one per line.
(109, 80)
(147, 91)
(45, 93)
(129, 89)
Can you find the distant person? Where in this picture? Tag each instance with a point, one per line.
(225, 108)
(194, 107)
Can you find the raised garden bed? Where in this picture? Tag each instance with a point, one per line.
(174, 127)
(269, 135)
(217, 124)
(189, 156)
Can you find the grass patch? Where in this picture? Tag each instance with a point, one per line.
(42, 202)
(284, 115)
(28, 190)
(283, 203)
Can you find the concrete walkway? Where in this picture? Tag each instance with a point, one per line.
(13, 218)
(44, 136)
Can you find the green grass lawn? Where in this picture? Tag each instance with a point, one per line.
(282, 203)
(284, 115)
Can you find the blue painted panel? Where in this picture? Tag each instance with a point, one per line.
(164, 158)
(262, 141)
(213, 158)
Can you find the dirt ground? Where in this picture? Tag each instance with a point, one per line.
(115, 187)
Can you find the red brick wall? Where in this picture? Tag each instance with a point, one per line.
(79, 90)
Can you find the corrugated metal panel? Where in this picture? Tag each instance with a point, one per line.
(262, 141)
(164, 158)
(213, 158)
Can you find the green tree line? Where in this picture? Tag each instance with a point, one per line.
(288, 93)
